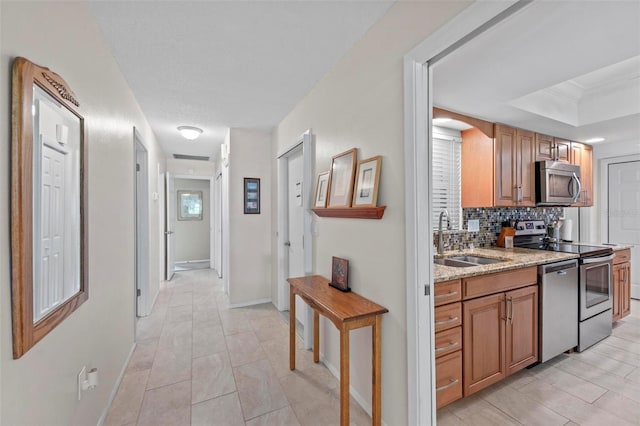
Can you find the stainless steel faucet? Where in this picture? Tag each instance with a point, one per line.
(441, 245)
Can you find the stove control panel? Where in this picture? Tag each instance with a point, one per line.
(530, 227)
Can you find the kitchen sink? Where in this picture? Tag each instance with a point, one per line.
(465, 261)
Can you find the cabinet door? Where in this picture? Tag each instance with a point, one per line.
(521, 328)
(525, 168)
(544, 147)
(505, 163)
(484, 342)
(625, 290)
(582, 155)
(616, 291)
(448, 379)
(562, 149)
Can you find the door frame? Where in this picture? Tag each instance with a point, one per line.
(217, 223)
(141, 226)
(211, 180)
(418, 103)
(304, 143)
(604, 185)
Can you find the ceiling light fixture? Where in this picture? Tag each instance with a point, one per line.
(594, 140)
(190, 132)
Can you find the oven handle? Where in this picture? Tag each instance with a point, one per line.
(597, 259)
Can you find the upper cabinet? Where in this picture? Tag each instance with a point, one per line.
(514, 167)
(582, 155)
(553, 149)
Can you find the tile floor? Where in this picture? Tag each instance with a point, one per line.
(599, 387)
(197, 362)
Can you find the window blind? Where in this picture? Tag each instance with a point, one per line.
(446, 170)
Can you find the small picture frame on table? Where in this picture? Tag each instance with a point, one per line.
(251, 196)
(321, 190)
(367, 182)
(340, 274)
(343, 168)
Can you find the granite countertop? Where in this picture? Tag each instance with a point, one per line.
(514, 258)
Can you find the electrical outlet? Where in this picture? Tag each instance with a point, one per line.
(82, 376)
(473, 225)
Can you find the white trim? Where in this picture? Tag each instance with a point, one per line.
(252, 303)
(114, 391)
(304, 143)
(141, 226)
(418, 193)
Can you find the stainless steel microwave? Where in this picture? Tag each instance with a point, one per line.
(557, 184)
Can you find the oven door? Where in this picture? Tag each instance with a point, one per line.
(558, 187)
(596, 275)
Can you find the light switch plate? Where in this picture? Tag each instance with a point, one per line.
(473, 225)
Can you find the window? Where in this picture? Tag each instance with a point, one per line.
(446, 169)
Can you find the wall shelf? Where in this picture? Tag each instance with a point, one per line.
(351, 212)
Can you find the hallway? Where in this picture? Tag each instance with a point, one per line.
(197, 362)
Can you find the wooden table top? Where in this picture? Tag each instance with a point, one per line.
(333, 302)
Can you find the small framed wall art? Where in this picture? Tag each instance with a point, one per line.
(321, 190)
(251, 196)
(341, 176)
(367, 180)
(340, 274)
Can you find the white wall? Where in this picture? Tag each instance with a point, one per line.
(40, 387)
(192, 239)
(360, 104)
(249, 234)
(191, 167)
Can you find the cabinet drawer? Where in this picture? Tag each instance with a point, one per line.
(448, 341)
(622, 256)
(448, 316)
(494, 283)
(447, 292)
(448, 379)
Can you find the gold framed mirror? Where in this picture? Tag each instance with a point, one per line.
(48, 204)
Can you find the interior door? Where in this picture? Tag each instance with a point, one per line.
(295, 239)
(624, 212)
(170, 220)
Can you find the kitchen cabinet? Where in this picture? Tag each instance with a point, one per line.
(582, 155)
(448, 341)
(476, 175)
(500, 330)
(514, 183)
(621, 284)
(552, 149)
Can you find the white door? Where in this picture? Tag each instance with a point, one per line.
(295, 233)
(142, 227)
(170, 220)
(217, 211)
(624, 212)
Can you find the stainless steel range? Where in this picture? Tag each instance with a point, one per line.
(594, 287)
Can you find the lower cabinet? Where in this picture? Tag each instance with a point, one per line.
(448, 341)
(448, 378)
(500, 336)
(621, 284)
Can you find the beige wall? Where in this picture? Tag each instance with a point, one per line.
(193, 236)
(360, 104)
(249, 234)
(40, 387)
(191, 167)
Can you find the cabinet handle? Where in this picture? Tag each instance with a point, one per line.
(519, 193)
(557, 152)
(449, 346)
(448, 385)
(440, 296)
(448, 321)
(510, 316)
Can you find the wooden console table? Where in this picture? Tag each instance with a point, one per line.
(347, 311)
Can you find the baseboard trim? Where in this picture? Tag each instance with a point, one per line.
(114, 391)
(253, 302)
(364, 403)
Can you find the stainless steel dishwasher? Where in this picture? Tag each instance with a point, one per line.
(558, 308)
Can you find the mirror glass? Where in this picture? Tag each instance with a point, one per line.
(56, 203)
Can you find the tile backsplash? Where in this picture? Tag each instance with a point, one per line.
(490, 224)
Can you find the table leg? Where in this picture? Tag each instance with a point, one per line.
(316, 336)
(292, 329)
(344, 376)
(376, 373)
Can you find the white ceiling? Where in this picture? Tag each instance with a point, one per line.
(222, 64)
(569, 69)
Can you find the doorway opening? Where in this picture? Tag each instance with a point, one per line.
(141, 194)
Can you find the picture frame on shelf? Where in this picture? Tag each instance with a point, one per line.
(367, 182)
(340, 274)
(251, 196)
(322, 187)
(341, 175)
